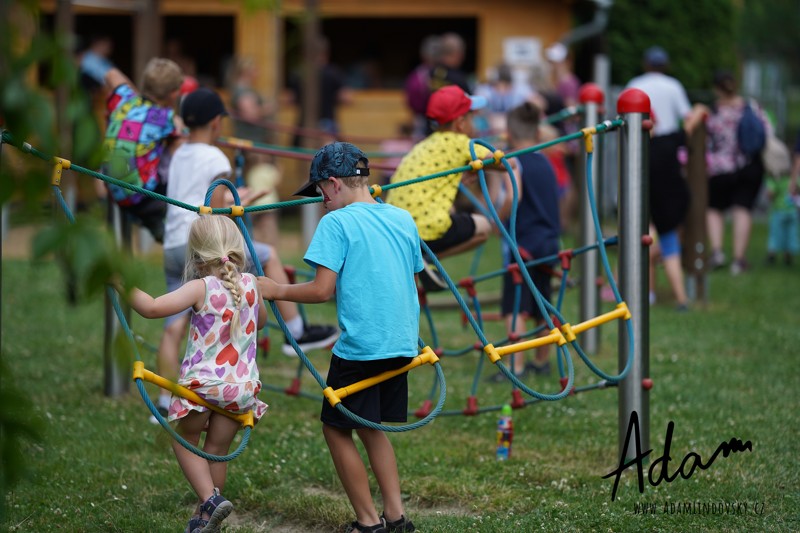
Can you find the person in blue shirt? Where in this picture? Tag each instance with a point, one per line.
(538, 230)
(366, 253)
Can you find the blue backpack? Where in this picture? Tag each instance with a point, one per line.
(750, 133)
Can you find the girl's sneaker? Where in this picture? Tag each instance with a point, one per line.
(196, 524)
(217, 509)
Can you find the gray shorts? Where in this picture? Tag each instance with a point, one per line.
(175, 264)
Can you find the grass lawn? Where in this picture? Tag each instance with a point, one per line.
(728, 370)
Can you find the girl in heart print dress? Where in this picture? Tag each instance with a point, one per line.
(220, 360)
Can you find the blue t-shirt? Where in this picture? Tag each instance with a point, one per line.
(538, 228)
(374, 250)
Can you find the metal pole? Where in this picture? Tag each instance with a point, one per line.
(591, 96)
(311, 213)
(116, 368)
(634, 107)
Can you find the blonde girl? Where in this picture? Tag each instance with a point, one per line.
(220, 359)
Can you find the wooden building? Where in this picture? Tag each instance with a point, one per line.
(375, 42)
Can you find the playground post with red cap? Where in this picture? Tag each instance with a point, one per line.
(592, 97)
(634, 107)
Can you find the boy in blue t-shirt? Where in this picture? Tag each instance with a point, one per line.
(367, 254)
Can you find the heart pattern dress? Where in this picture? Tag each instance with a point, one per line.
(217, 367)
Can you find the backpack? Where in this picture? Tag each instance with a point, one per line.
(751, 134)
(776, 157)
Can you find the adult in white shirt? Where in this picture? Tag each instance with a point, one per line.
(672, 115)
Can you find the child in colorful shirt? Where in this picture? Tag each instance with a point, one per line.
(220, 359)
(139, 137)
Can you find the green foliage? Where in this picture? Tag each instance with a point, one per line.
(699, 35)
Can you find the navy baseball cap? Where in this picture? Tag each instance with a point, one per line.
(200, 106)
(655, 56)
(339, 160)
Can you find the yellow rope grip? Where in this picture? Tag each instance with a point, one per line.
(58, 167)
(330, 395)
(237, 210)
(589, 139)
(569, 334)
(498, 155)
(476, 164)
(205, 210)
(376, 190)
(491, 353)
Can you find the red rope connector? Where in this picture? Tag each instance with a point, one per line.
(424, 410)
(516, 277)
(263, 344)
(647, 240)
(294, 388)
(556, 321)
(564, 382)
(469, 285)
(438, 351)
(513, 336)
(647, 383)
(422, 297)
(478, 346)
(291, 273)
(516, 399)
(472, 406)
(566, 258)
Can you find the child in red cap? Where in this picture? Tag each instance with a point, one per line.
(445, 231)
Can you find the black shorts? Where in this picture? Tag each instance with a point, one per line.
(385, 402)
(527, 302)
(461, 230)
(738, 188)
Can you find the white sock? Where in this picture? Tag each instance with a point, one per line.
(296, 326)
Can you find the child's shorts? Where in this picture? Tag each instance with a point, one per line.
(527, 303)
(385, 402)
(461, 230)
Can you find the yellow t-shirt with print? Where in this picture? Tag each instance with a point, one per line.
(430, 201)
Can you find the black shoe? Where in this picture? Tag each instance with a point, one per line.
(401, 525)
(314, 336)
(430, 278)
(377, 528)
(540, 370)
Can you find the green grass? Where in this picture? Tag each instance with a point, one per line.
(729, 370)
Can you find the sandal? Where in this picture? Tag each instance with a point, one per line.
(196, 523)
(217, 508)
(380, 527)
(401, 525)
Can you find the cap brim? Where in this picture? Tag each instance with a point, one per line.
(477, 102)
(308, 189)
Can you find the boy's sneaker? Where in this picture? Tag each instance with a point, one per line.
(401, 525)
(217, 509)
(377, 528)
(163, 411)
(314, 336)
(430, 278)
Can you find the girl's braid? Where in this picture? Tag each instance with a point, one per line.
(231, 279)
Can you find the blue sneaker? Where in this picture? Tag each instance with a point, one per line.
(217, 509)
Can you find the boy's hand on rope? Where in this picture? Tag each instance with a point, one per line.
(267, 287)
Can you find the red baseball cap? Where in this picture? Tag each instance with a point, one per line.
(451, 102)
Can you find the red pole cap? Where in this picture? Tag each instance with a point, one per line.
(591, 92)
(633, 101)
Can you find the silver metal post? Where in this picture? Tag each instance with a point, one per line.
(116, 366)
(634, 107)
(591, 96)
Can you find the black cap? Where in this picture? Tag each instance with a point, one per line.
(199, 107)
(338, 159)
